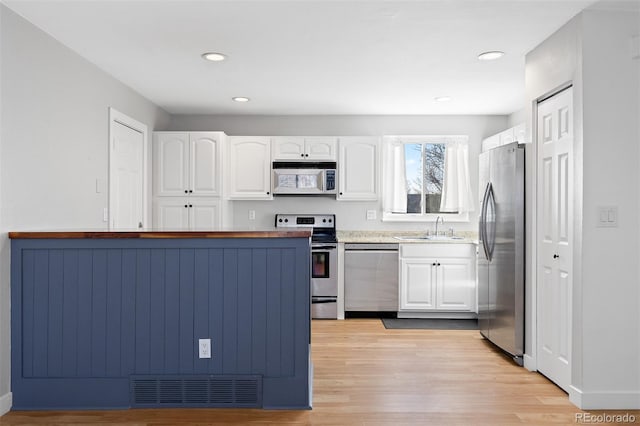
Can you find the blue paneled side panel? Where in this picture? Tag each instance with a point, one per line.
(216, 308)
(99, 315)
(157, 312)
(85, 296)
(259, 312)
(230, 318)
(128, 327)
(172, 312)
(86, 314)
(246, 269)
(186, 342)
(114, 313)
(27, 307)
(201, 306)
(287, 319)
(41, 314)
(274, 298)
(70, 314)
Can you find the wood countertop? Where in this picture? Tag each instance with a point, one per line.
(158, 234)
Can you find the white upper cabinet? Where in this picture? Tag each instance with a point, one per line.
(187, 163)
(170, 165)
(204, 164)
(249, 168)
(513, 134)
(298, 148)
(358, 168)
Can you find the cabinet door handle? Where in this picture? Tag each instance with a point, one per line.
(433, 264)
(190, 191)
(555, 256)
(186, 192)
(306, 155)
(437, 264)
(268, 193)
(301, 155)
(185, 206)
(190, 205)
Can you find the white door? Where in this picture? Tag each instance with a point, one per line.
(204, 153)
(204, 214)
(358, 169)
(171, 213)
(288, 148)
(417, 286)
(126, 174)
(170, 165)
(320, 148)
(555, 236)
(249, 167)
(455, 285)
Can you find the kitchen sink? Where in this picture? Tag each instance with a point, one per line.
(427, 238)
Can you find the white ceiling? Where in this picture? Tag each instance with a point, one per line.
(309, 57)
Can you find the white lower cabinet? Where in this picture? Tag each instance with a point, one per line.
(437, 277)
(186, 214)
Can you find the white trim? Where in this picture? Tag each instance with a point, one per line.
(6, 402)
(605, 400)
(530, 362)
(428, 217)
(116, 116)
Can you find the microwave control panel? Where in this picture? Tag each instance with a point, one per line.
(330, 180)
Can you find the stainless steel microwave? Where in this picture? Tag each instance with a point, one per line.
(303, 178)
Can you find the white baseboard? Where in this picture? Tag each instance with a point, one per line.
(6, 401)
(530, 363)
(622, 400)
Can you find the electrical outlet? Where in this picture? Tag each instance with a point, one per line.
(252, 215)
(204, 348)
(371, 215)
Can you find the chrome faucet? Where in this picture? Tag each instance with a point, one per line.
(441, 220)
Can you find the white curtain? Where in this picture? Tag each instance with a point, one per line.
(395, 199)
(456, 186)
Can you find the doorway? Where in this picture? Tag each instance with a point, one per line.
(127, 172)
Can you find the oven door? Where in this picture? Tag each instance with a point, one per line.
(324, 270)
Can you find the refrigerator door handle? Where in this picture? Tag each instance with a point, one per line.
(492, 242)
(483, 221)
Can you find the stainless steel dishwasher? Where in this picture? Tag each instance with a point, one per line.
(370, 277)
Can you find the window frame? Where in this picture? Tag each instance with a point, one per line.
(419, 217)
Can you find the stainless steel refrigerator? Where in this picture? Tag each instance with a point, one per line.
(501, 250)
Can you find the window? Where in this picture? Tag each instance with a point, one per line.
(426, 177)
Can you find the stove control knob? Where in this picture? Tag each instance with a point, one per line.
(330, 220)
(280, 220)
(324, 220)
(286, 220)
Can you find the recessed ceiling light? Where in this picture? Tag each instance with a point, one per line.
(241, 99)
(213, 56)
(442, 99)
(490, 56)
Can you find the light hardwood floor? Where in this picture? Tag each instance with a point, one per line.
(367, 375)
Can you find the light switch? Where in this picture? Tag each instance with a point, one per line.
(607, 217)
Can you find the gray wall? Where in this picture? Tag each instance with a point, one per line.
(350, 215)
(53, 142)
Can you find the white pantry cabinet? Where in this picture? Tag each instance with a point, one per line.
(299, 148)
(186, 213)
(358, 168)
(437, 277)
(187, 163)
(248, 170)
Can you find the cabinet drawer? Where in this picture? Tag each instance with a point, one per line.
(437, 250)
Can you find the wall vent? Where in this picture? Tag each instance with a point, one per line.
(196, 391)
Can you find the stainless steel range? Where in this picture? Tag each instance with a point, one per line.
(324, 260)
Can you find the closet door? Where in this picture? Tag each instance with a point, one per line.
(555, 236)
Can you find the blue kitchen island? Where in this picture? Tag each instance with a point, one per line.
(105, 320)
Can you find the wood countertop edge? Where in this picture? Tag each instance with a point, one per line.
(157, 234)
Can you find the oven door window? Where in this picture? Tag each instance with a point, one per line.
(320, 264)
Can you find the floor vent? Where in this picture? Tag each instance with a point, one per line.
(196, 391)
